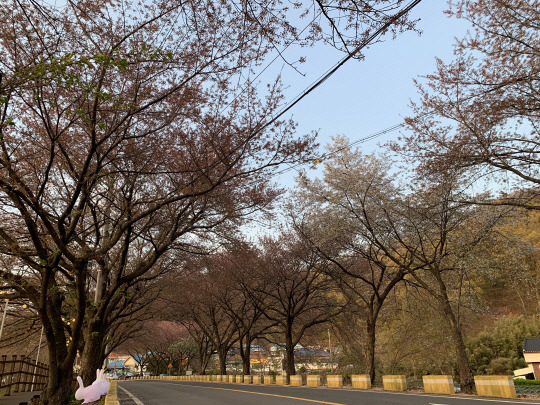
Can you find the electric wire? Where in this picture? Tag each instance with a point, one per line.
(325, 77)
(368, 138)
(280, 53)
(333, 70)
(320, 81)
(354, 143)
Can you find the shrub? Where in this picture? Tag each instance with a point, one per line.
(522, 381)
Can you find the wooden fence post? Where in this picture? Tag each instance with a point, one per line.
(2, 367)
(26, 375)
(19, 376)
(39, 378)
(29, 375)
(11, 375)
(46, 372)
(43, 375)
(22, 375)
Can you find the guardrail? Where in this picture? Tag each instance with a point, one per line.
(21, 374)
(498, 386)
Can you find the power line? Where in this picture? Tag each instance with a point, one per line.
(357, 142)
(327, 75)
(370, 137)
(280, 53)
(330, 72)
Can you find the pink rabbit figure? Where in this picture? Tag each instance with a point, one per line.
(89, 394)
(101, 381)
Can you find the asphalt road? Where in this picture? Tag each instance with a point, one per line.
(148, 392)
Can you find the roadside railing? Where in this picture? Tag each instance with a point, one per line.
(21, 374)
(501, 386)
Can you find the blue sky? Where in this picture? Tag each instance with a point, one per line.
(364, 97)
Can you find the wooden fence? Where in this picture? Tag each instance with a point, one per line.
(22, 374)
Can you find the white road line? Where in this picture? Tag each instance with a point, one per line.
(501, 400)
(133, 397)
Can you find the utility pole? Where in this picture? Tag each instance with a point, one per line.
(37, 358)
(99, 276)
(4, 317)
(99, 280)
(330, 350)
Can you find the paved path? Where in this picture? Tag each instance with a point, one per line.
(148, 392)
(18, 397)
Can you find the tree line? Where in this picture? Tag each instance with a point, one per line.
(132, 153)
(412, 295)
(130, 138)
(449, 232)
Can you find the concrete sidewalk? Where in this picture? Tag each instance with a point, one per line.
(18, 398)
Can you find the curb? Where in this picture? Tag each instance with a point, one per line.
(112, 395)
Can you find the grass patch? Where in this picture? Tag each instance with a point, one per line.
(73, 401)
(100, 402)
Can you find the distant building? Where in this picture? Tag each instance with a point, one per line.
(531, 352)
(308, 359)
(123, 363)
(257, 358)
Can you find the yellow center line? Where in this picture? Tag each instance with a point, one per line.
(264, 393)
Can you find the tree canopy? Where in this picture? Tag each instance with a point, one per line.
(478, 114)
(128, 135)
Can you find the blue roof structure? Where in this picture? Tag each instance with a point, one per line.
(115, 365)
(313, 352)
(282, 346)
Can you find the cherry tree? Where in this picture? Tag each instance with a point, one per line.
(128, 139)
(478, 114)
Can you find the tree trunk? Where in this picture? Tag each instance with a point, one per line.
(289, 354)
(58, 389)
(93, 352)
(204, 363)
(204, 353)
(466, 378)
(370, 350)
(465, 373)
(246, 361)
(222, 355)
(245, 353)
(61, 359)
